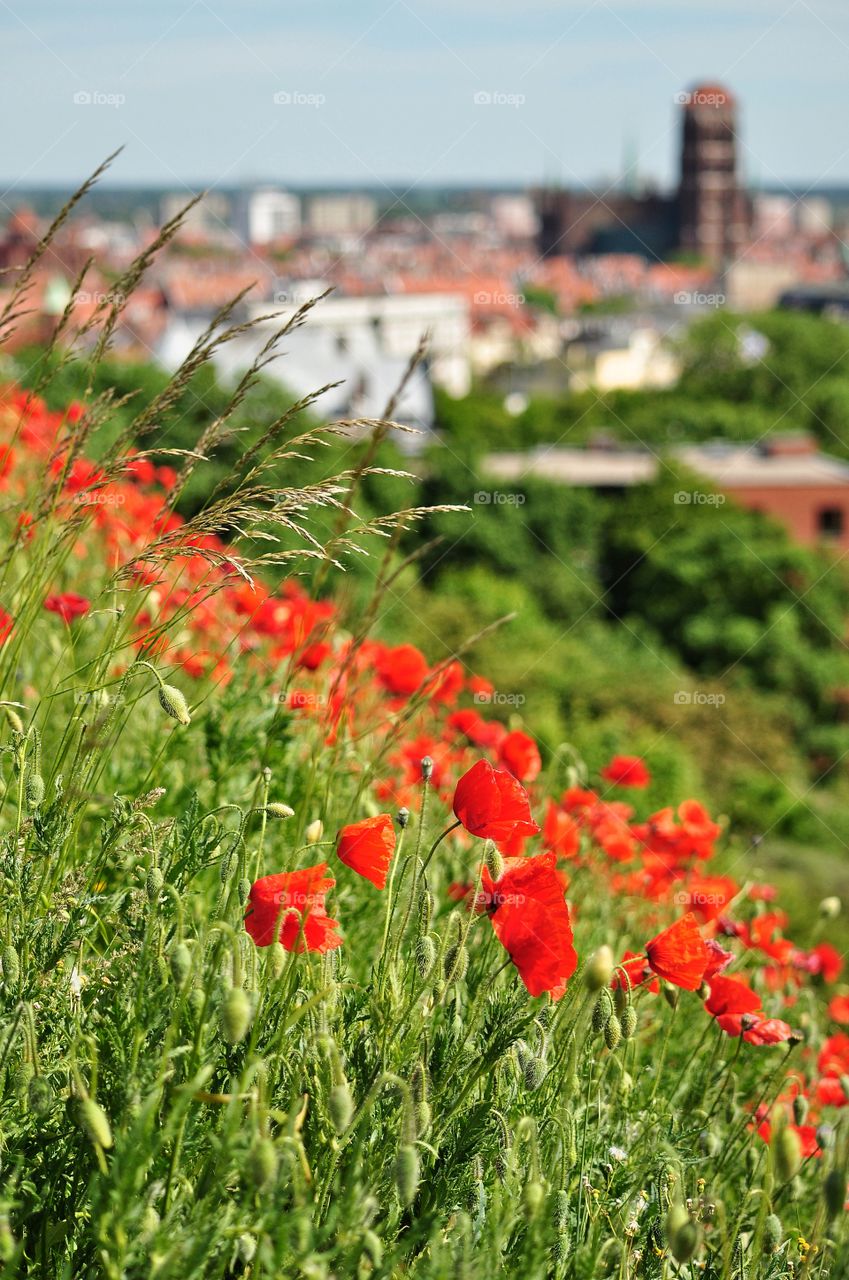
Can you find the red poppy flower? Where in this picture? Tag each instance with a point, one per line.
(491, 804)
(519, 753)
(637, 970)
(679, 954)
(730, 995)
(626, 771)
(826, 961)
(7, 622)
(402, 670)
(719, 958)
(531, 921)
(838, 1009)
(561, 832)
(755, 1028)
(68, 606)
(367, 847)
(290, 906)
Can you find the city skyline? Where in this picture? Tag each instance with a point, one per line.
(429, 94)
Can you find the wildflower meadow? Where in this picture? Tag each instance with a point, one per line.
(316, 964)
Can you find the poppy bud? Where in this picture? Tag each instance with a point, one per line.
(602, 1010)
(39, 1096)
(628, 1021)
(426, 905)
(181, 963)
(427, 768)
(425, 956)
(235, 1015)
(243, 889)
(422, 1115)
(456, 963)
(276, 957)
(373, 1247)
(772, 1233)
(24, 1072)
(684, 1241)
(93, 1120)
(494, 861)
(228, 865)
(560, 1211)
(612, 1032)
(599, 970)
(406, 1174)
(276, 810)
(340, 1104)
(35, 791)
(402, 817)
(314, 831)
(830, 908)
(174, 704)
(620, 1000)
(14, 719)
(153, 884)
(533, 1072)
(11, 967)
(533, 1195)
(197, 1001)
(834, 1192)
(800, 1108)
(787, 1152)
(262, 1163)
(670, 994)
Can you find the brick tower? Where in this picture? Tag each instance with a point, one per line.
(714, 219)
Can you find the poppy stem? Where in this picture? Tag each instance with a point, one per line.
(437, 842)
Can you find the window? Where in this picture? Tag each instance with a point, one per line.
(830, 522)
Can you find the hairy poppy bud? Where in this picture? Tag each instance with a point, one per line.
(402, 817)
(314, 831)
(153, 884)
(24, 1072)
(340, 1104)
(834, 1192)
(560, 1211)
(276, 810)
(174, 704)
(235, 1015)
(426, 905)
(11, 967)
(35, 791)
(612, 1032)
(599, 970)
(602, 1010)
(670, 994)
(406, 1174)
(425, 955)
(14, 719)
(772, 1233)
(181, 963)
(684, 1241)
(243, 889)
(39, 1096)
(800, 1108)
(830, 908)
(94, 1122)
(456, 963)
(262, 1163)
(628, 1021)
(494, 861)
(787, 1151)
(276, 957)
(533, 1072)
(533, 1195)
(427, 768)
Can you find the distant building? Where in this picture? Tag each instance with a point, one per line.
(709, 215)
(339, 215)
(784, 476)
(830, 300)
(266, 215)
(209, 215)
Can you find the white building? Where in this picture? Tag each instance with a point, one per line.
(339, 215)
(267, 214)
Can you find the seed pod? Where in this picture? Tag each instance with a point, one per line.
(181, 963)
(602, 1010)
(276, 810)
(612, 1032)
(262, 1163)
(406, 1174)
(94, 1122)
(599, 970)
(402, 817)
(39, 1096)
(533, 1194)
(787, 1152)
(834, 1192)
(427, 768)
(800, 1108)
(425, 956)
(174, 704)
(340, 1104)
(628, 1021)
(35, 791)
(235, 1015)
(772, 1233)
(11, 967)
(153, 884)
(456, 963)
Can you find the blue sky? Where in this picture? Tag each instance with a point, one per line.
(396, 91)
